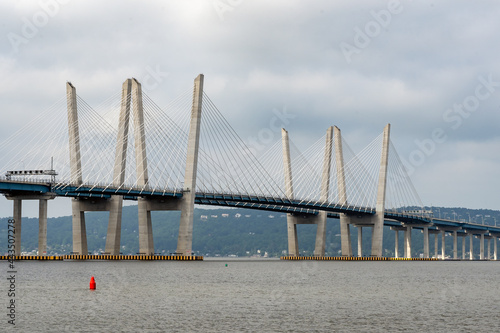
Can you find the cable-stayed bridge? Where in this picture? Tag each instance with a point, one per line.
(171, 158)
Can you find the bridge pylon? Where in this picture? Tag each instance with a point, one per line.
(320, 219)
(375, 221)
(345, 230)
(131, 92)
(80, 205)
(113, 235)
(185, 237)
(75, 163)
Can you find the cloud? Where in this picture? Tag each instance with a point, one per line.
(264, 56)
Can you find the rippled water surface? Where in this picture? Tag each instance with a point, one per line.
(256, 296)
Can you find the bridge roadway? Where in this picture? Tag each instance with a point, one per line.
(299, 207)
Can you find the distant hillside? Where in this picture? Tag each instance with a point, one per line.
(219, 232)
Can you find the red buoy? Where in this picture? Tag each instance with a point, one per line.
(92, 283)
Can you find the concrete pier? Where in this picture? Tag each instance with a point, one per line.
(495, 253)
(436, 249)
(42, 227)
(455, 244)
(463, 247)
(443, 244)
(426, 241)
(396, 244)
(471, 247)
(407, 234)
(18, 207)
(489, 248)
(42, 219)
(79, 230)
(360, 241)
(481, 247)
(293, 243)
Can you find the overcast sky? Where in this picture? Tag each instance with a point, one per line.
(430, 68)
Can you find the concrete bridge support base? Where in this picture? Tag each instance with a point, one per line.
(407, 250)
(293, 244)
(79, 207)
(79, 229)
(146, 245)
(18, 204)
(495, 253)
(463, 247)
(42, 228)
(42, 220)
(436, 248)
(360, 241)
(489, 249)
(113, 235)
(443, 244)
(426, 242)
(319, 248)
(345, 236)
(481, 247)
(396, 244)
(455, 244)
(471, 248)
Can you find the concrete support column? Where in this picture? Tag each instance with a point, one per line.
(42, 228)
(146, 245)
(455, 245)
(79, 231)
(471, 248)
(443, 244)
(113, 235)
(481, 247)
(360, 241)
(185, 239)
(436, 245)
(489, 249)
(293, 244)
(396, 244)
(495, 257)
(319, 248)
(378, 226)
(18, 208)
(426, 242)
(463, 248)
(345, 236)
(408, 242)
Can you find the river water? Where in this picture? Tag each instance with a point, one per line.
(255, 296)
